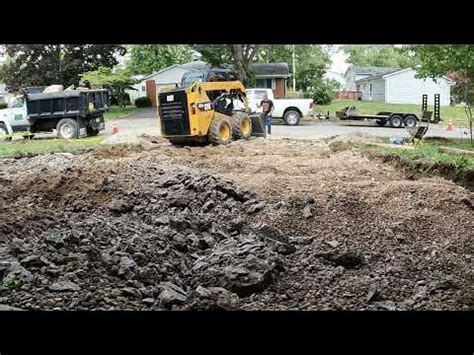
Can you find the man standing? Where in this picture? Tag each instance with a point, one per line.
(267, 108)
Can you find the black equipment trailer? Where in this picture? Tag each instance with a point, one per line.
(394, 119)
(73, 113)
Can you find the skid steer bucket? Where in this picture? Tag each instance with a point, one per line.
(258, 128)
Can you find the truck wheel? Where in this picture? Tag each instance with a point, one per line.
(410, 121)
(396, 121)
(292, 117)
(67, 129)
(220, 131)
(3, 133)
(241, 126)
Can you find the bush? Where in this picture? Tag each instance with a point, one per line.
(322, 91)
(3, 105)
(143, 102)
(115, 99)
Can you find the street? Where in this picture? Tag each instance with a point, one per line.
(146, 122)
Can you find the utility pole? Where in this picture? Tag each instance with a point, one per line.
(294, 70)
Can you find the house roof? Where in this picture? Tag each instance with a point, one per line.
(270, 70)
(372, 71)
(195, 65)
(395, 72)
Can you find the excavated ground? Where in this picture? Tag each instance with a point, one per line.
(257, 225)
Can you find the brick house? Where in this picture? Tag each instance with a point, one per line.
(272, 76)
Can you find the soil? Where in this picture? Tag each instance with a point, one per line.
(255, 225)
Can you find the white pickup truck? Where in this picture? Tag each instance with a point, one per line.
(290, 110)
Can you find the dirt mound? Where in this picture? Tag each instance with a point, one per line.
(253, 225)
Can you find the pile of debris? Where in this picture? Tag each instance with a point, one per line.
(177, 241)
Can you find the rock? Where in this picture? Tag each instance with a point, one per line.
(208, 205)
(388, 305)
(13, 273)
(275, 236)
(349, 260)
(372, 294)
(171, 295)
(149, 301)
(55, 239)
(309, 200)
(118, 207)
(64, 286)
(131, 292)
(333, 243)
(307, 212)
(35, 261)
(4, 307)
(212, 298)
(443, 285)
(256, 208)
(127, 265)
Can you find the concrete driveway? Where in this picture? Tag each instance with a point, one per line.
(146, 122)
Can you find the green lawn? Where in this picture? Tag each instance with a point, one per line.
(43, 146)
(428, 150)
(456, 113)
(116, 112)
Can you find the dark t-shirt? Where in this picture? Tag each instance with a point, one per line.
(267, 105)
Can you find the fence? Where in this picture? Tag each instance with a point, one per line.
(349, 95)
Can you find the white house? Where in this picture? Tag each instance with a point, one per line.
(402, 87)
(354, 73)
(168, 77)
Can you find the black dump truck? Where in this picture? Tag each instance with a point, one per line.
(72, 113)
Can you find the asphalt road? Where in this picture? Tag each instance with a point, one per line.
(146, 122)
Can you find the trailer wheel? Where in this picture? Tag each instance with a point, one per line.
(410, 121)
(67, 129)
(381, 123)
(4, 133)
(396, 121)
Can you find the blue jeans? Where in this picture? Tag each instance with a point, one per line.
(267, 120)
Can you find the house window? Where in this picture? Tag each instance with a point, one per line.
(264, 83)
(273, 84)
(370, 89)
(358, 87)
(143, 88)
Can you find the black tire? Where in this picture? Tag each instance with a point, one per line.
(220, 131)
(4, 132)
(67, 128)
(28, 136)
(91, 132)
(410, 121)
(241, 126)
(396, 121)
(381, 123)
(292, 117)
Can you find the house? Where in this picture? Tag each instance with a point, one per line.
(3, 93)
(401, 86)
(271, 76)
(168, 77)
(355, 73)
(332, 75)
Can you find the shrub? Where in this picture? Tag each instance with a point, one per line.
(119, 98)
(143, 102)
(322, 91)
(3, 105)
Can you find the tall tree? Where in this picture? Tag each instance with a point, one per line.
(379, 56)
(148, 58)
(436, 61)
(41, 65)
(239, 55)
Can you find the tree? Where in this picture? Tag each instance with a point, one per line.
(148, 58)
(436, 61)
(379, 56)
(117, 81)
(239, 55)
(42, 65)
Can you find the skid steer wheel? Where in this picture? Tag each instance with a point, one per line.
(67, 129)
(3, 133)
(410, 121)
(241, 126)
(220, 131)
(396, 121)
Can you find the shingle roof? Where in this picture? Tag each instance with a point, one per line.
(270, 70)
(375, 71)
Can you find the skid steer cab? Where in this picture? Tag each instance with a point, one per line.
(205, 112)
